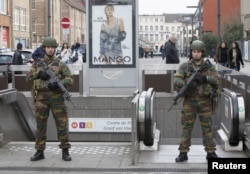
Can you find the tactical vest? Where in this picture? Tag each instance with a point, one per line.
(200, 90)
(39, 84)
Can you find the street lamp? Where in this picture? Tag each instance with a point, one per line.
(198, 11)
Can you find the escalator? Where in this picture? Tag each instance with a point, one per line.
(17, 120)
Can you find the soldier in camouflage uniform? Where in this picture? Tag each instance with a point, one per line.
(197, 101)
(47, 96)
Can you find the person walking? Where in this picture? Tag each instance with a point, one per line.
(162, 50)
(38, 53)
(235, 57)
(18, 57)
(48, 97)
(222, 56)
(152, 51)
(76, 56)
(197, 101)
(172, 56)
(65, 53)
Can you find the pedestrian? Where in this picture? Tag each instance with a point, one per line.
(146, 51)
(76, 56)
(152, 51)
(65, 53)
(48, 97)
(222, 55)
(190, 51)
(197, 101)
(38, 53)
(162, 50)
(18, 57)
(172, 56)
(235, 57)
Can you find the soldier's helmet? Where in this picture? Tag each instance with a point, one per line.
(49, 42)
(198, 45)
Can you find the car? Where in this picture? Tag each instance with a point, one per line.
(27, 55)
(157, 53)
(4, 50)
(6, 59)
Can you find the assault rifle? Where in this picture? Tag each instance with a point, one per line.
(190, 82)
(54, 79)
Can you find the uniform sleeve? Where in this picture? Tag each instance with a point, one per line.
(32, 74)
(67, 77)
(212, 77)
(179, 77)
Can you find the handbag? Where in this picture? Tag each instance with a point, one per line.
(75, 58)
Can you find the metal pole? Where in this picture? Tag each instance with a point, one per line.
(192, 26)
(49, 18)
(199, 19)
(31, 24)
(218, 22)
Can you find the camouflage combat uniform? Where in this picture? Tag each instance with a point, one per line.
(46, 100)
(197, 100)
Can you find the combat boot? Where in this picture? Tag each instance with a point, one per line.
(181, 157)
(65, 155)
(38, 156)
(211, 155)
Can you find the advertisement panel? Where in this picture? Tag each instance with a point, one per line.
(111, 39)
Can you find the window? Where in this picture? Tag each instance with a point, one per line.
(141, 28)
(161, 28)
(173, 28)
(162, 37)
(146, 28)
(19, 21)
(3, 6)
(16, 19)
(156, 37)
(34, 26)
(33, 4)
(151, 37)
(151, 28)
(156, 28)
(23, 19)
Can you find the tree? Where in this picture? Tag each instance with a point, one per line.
(233, 32)
(210, 41)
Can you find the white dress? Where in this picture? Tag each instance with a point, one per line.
(65, 54)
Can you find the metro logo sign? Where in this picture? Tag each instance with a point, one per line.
(65, 22)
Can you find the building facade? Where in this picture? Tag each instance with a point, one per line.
(5, 24)
(245, 18)
(229, 12)
(29, 21)
(155, 30)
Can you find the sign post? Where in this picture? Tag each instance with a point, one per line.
(65, 23)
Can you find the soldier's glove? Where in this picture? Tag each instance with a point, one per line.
(43, 75)
(52, 86)
(201, 78)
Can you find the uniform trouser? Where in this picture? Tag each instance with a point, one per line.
(46, 101)
(191, 109)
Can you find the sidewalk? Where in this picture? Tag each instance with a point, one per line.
(104, 157)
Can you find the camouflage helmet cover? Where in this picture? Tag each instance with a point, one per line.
(198, 45)
(49, 42)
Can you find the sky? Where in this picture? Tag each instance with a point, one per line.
(156, 7)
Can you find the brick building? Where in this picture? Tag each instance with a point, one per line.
(29, 21)
(5, 24)
(229, 12)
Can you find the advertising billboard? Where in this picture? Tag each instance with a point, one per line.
(112, 33)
